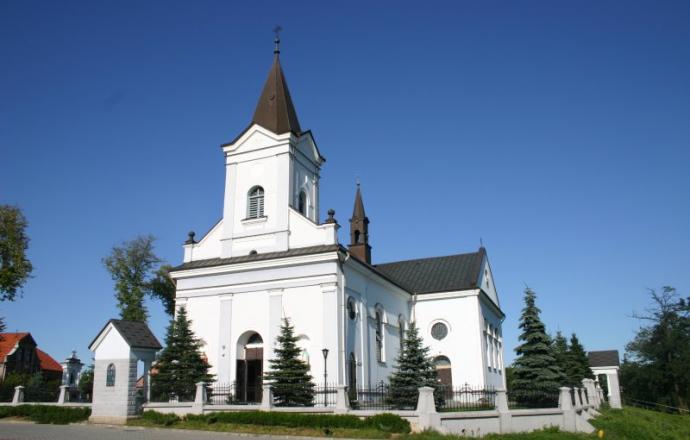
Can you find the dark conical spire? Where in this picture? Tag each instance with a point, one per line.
(359, 230)
(358, 211)
(275, 110)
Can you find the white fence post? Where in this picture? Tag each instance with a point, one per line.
(565, 403)
(342, 401)
(199, 398)
(63, 395)
(505, 419)
(18, 395)
(267, 397)
(426, 410)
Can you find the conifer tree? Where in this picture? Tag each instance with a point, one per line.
(561, 352)
(289, 376)
(413, 369)
(578, 367)
(181, 364)
(535, 365)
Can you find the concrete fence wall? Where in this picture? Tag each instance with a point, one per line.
(18, 399)
(566, 416)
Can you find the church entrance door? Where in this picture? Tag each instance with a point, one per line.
(248, 379)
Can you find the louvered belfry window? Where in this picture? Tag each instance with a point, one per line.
(255, 205)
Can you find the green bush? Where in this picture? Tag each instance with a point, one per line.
(381, 422)
(388, 422)
(160, 419)
(55, 415)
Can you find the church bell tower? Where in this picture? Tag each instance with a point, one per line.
(359, 230)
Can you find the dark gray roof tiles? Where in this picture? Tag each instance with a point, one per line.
(606, 358)
(438, 274)
(211, 262)
(136, 334)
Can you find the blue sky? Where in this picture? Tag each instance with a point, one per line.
(558, 132)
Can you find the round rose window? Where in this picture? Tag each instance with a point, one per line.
(439, 331)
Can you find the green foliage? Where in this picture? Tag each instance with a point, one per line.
(12, 380)
(413, 369)
(388, 422)
(55, 415)
(180, 365)
(656, 365)
(15, 267)
(37, 389)
(640, 424)
(161, 419)
(535, 366)
(578, 366)
(382, 422)
(86, 384)
(161, 286)
(289, 376)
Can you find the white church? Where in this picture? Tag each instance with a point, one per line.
(272, 257)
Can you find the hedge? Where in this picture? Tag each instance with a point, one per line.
(383, 422)
(55, 415)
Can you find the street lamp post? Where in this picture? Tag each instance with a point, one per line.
(325, 377)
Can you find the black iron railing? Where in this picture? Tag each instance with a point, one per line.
(533, 398)
(465, 398)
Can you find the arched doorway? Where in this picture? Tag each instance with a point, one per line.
(445, 376)
(249, 371)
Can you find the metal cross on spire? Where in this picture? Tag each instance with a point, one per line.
(276, 30)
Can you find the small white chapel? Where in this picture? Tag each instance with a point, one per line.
(271, 256)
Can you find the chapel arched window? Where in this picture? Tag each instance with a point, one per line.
(110, 376)
(302, 203)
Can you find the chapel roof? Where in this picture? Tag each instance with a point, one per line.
(605, 358)
(136, 334)
(436, 274)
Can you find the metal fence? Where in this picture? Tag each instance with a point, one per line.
(464, 398)
(233, 394)
(382, 397)
(533, 398)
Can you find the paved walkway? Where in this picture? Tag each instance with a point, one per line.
(31, 431)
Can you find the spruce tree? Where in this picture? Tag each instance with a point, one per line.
(181, 364)
(535, 365)
(413, 369)
(578, 367)
(289, 375)
(561, 352)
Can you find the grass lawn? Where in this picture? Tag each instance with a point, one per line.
(625, 424)
(271, 430)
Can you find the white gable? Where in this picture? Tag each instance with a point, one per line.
(110, 344)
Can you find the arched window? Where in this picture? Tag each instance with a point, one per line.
(401, 331)
(110, 376)
(255, 202)
(379, 335)
(357, 234)
(302, 203)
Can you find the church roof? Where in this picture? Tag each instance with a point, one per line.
(275, 110)
(211, 262)
(47, 362)
(437, 274)
(605, 358)
(358, 211)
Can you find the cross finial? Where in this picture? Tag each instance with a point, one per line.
(357, 181)
(276, 30)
